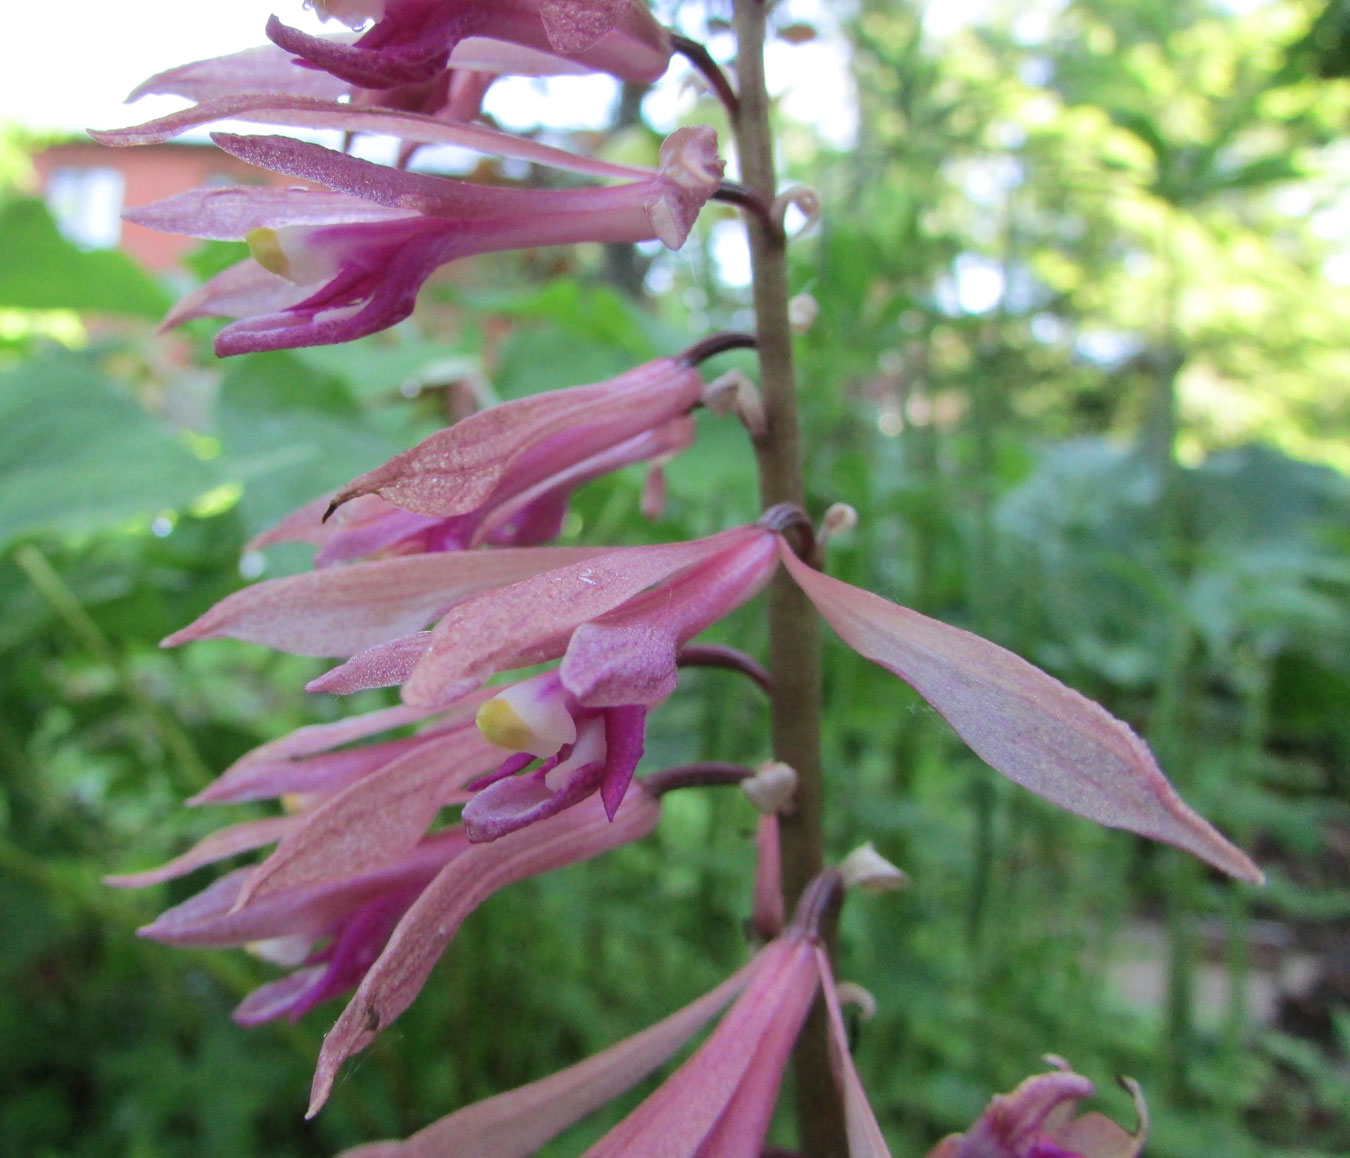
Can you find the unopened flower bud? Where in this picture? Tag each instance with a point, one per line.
(839, 518)
(734, 393)
(867, 869)
(772, 788)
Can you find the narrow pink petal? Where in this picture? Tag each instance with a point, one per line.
(864, 1135)
(341, 611)
(377, 819)
(741, 1129)
(456, 470)
(313, 739)
(356, 118)
(673, 1122)
(231, 212)
(516, 1124)
(211, 918)
(385, 665)
(236, 838)
(531, 621)
(267, 69)
(1022, 722)
(395, 979)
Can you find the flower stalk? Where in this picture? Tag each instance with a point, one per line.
(794, 632)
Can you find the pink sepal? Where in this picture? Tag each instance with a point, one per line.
(375, 820)
(864, 1135)
(309, 113)
(385, 665)
(674, 1121)
(231, 212)
(246, 778)
(458, 469)
(516, 1124)
(211, 917)
(343, 610)
(236, 838)
(395, 979)
(1021, 721)
(532, 620)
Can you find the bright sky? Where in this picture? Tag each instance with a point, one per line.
(68, 65)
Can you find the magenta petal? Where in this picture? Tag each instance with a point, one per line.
(1022, 722)
(341, 611)
(396, 978)
(281, 997)
(675, 1120)
(625, 737)
(628, 655)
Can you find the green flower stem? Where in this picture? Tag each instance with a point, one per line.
(794, 628)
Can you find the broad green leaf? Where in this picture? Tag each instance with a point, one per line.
(290, 434)
(78, 455)
(43, 271)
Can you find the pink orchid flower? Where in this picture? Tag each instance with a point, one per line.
(354, 874)
(718, 1103)
(411, 40)
(370, 527)
(1036, 1121)
(329, 269)
(503, 475)
(617, 619)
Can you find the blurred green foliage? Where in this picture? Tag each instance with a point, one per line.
(1081, 368)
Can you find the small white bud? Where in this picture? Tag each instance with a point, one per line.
(734, 393)
(867, 869)
(838, 519)
(772, 788)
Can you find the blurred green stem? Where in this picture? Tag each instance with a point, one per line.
(189, 769)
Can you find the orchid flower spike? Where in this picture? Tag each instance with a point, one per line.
(1036, 1121)
(411, 41)
(331, 267)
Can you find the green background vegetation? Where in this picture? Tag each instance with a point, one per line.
(1125, 464)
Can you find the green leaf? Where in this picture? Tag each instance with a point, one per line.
(290, 434)
(44, 271)
(78, 455)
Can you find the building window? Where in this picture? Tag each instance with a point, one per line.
(87, 204)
